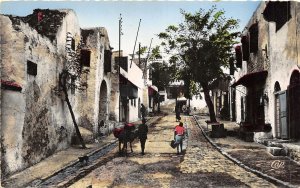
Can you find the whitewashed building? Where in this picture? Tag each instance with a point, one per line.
(268, 81)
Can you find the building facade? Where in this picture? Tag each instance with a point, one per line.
(35, 50)
(267, 83)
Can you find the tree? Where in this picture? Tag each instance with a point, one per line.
(201, 45)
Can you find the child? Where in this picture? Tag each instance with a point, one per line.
(179, 134)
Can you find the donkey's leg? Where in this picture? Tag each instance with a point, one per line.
(125, 146)
(131, 146)
(120, 146)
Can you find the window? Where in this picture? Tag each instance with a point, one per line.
(278, 12)
(85, 58)
(253, 30)
(134, 102)
(123, 62)
(31, 68)
(73, 44)
(245, 47)
(238, 56)
(131, 100)
(107, 61)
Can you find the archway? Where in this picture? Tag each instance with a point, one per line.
(294, 105)
(103, 110)
(295, 78)
(277, 87)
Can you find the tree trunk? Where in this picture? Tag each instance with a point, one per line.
(209, 103)
(63, 84)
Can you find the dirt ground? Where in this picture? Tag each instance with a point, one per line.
(162, 167)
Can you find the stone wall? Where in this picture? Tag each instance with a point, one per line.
(37, 122)
(283, 56)
(34, 123)
(93, 104)
(115, 90)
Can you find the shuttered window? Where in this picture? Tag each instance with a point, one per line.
(85, 58)
(253, 30)
(31, 68)
(278, 12)
(107, 61)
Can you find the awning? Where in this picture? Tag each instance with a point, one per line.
(10, 85)
(154, 87)
(127, 88)
(152, 90)
(251, 79)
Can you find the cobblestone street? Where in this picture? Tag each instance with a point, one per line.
(201, 165)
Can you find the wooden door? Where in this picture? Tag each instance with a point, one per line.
(277, 117)
(283, 116)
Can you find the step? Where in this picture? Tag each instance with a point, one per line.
(277, 151)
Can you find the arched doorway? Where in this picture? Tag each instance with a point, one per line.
(103, 110)
(294, 105)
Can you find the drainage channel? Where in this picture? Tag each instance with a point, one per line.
(77, 170)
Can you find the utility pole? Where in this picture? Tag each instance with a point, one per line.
(139, 54)
(148, 53)
(137, 34)
(120, 33)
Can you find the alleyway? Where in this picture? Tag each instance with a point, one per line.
(201, 166)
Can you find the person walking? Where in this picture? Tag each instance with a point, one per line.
(178, 136)
(143, 111)
(177, 112)
(142, 134)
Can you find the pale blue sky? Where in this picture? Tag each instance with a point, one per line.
(155, 15)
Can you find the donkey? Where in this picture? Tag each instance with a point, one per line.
(127, 135)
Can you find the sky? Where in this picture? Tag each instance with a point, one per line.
(155, 16)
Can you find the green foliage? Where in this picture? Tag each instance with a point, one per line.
(155, 53)
(161, 74)
(201, 45)
(142, 51)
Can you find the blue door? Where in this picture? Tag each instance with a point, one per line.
(283, 116)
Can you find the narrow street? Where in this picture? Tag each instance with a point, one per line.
(201, 165)
(78, 77)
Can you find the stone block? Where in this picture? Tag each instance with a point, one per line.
(275, 151)
(218, 131)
